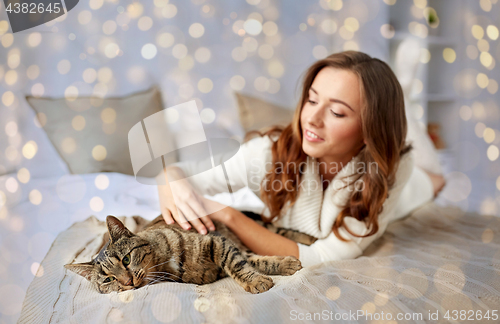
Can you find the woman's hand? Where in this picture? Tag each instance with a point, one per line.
(222, 214)
(190, 204)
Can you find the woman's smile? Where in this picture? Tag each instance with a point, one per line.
(312, 137)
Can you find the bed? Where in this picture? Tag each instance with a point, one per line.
(439, 264)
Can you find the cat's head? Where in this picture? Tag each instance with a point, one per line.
(121, 264)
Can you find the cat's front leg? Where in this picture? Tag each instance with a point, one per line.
(275, 265)
(229, 258)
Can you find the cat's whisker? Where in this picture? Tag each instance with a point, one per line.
(156, 280)
(167, 273)
(161, 277)
(164, 262)
(171, 274)
(147, 264)
(159, 264)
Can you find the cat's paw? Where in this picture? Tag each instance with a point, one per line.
(260, 283)
(289, 265)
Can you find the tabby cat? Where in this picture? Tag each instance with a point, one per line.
(162, 252)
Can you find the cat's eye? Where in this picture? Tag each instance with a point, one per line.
(126, 260)
(109, 279)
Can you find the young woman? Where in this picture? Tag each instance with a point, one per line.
(345, 168)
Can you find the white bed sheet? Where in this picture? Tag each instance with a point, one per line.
(27, 230)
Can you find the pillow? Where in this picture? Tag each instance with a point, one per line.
(258, 114)
(91, 133)
(23, 143)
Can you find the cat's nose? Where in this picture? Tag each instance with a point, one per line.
(130, 282)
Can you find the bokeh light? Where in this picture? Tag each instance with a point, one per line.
(84, 17)
(460, 186)
(95, 4)
(63, 66)
(237, 82)
(145, 23)
(252, 27)
(68, 145)
(101, 182)
(78, 122)
(8, 98)
(449, 55)
(23, 175)
(465, 112)
(486, 59)
(207, 115)
(482, 80)
(89, 75)
(205, 85)
(33, 72)
(477, 31)
(196, 30)
(96, 204)
(108, 115)
(71, 93)
(11, 185)
(34, 39)
(35, 197)
(333, 293)
(202, 55)
(387, 31)
(265, 51)
(179, 51)
(492, 152)
(165, 40)
(492, 32)
(135, 9)
(99, 153)
(30, 149)
(11, 128)
(329, 26)
(37, 90)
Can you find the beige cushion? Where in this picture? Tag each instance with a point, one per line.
(258, 114)
(91, 133)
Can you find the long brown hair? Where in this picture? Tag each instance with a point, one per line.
(384, 129)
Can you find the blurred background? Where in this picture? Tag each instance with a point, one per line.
(233, 58)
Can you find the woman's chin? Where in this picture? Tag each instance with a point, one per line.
(312, 152)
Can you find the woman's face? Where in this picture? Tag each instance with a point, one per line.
(332, 113)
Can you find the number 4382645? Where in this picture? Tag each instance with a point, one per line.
(33, 7)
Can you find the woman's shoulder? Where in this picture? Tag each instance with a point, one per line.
(268, 138)
(258, 154)
(407, 162)
(260, 144)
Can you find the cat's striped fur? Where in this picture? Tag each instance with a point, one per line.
(161, 252)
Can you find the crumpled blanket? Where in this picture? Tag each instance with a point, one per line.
(439, 265)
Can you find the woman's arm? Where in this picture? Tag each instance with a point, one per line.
(183, 184)
(258, 238)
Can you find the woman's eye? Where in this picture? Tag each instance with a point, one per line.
(109, 279)
(126, 260)
(336, 115)
(311, 102)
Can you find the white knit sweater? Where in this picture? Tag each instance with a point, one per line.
(315, 210)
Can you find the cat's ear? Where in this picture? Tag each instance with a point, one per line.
(116, 228)
(83, 269)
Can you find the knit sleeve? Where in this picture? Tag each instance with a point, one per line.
(332, 248)
(245, 168)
